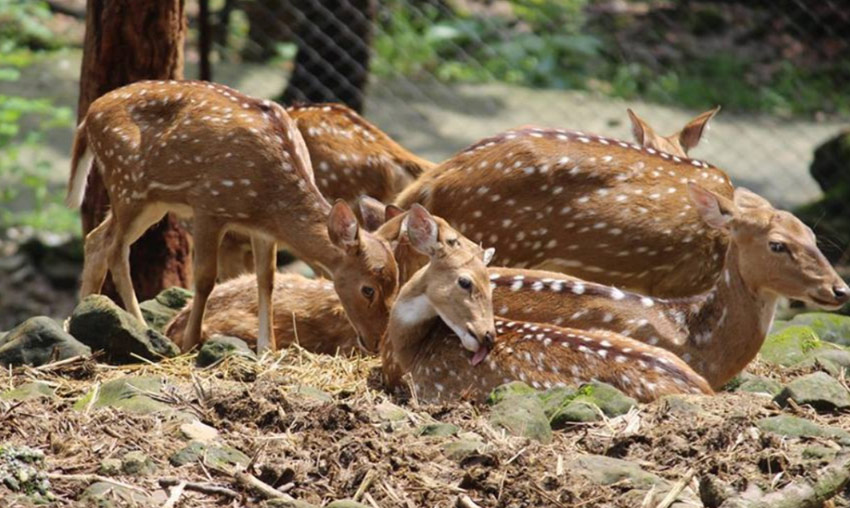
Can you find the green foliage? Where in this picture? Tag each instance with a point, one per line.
(27, 179)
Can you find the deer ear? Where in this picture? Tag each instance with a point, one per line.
(422, 231)
(714, 209)
(641, 130)
(392, 212)
(343, 229)
(745, 198)
(371, 212)
(488, 255)
(690, 135)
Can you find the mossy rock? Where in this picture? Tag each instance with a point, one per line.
(102, 325)
(175, 298)
(819, 390)
(222, 457)
(604, 470)
(27, 391)
(137, 463)
(792, 426)
(312, 393)
(438, 430)
(127, 394)
(522, 415)
(108, 495)
(610, 400)
(463, 448)
(820, 453)
(34, 341)
(829, 327)
(156, 314)
(513, 388)
(219, 347)
(790, 346)
(110, 467)
(759, 384)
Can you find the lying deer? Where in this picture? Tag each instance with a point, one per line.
(590, 206)
(678, 143)
(351, 158)
(233, 163)
(441, 334)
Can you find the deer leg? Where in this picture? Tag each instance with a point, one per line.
(265, 262)
(207, 236)
(95, 263)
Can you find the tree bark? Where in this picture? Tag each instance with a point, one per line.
(332, 63)
(127, 41)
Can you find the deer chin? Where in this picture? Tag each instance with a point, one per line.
(825, 303)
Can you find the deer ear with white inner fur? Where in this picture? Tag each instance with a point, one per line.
(371, 212)
(640, 129)
(422, 231)
(691, 134)
(343, 229)
(488, 255)
(715, 210)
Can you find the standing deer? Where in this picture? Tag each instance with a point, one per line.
(678, 143)
(590, 206)
(351, 158)
(233, 163)
(440, 333)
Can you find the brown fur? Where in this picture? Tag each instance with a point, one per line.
(596, 208)
(678, 143)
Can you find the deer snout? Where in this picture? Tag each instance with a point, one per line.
(841, 292)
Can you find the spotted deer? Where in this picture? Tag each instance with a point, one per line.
(678, 143)
(231, 162)
(590, 206)
(351, 158)
(441, 334)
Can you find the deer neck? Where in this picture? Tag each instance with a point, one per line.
(411, 319)
(726, 326)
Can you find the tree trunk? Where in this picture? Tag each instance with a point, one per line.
(332, 64)
(127, 41)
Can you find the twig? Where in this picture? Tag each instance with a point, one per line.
(51, 366)
(464, 501)
(364, 485)
(200, 487)
(175, 495)
(677, 489)
(91, 478)
(95, 394)
(369, 499)
(249, 481)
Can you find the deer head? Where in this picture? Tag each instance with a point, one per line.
(676, 144)
(776, 252)
(367, 278)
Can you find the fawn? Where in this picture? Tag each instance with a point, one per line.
(590, 206)
(351, 158)
(678, 143)
(233, 163)
(441, 334)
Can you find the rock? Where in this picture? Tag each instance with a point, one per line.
(20, 471)
(388, 412)
(136, 463)
(110, 467)
(577, 411)
(33, 343)
(156, 314)
(816, 452)
(128, 394)
(29, 391)
(102, 325)
(198, 431)
(713, 491)
(108, 495)
(522, 415)
(829, 327)
(438, 429)
(610, 400)
(513, 388)
(789, 346)
(174, 298)
(793, 426)
(312, 393)
(607, 471)
(819, 390)
(222, 457)
(680, 405)
(346, 503)
(835, 361)
(219, 347)
(462, 448)
(759, 384)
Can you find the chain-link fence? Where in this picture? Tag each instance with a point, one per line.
(439, 74)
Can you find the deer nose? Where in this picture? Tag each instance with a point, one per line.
(488, 340)
(841, 293)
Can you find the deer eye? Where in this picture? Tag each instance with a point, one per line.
(778, 247)
(464, 283)
(452, 242)
(368, 292)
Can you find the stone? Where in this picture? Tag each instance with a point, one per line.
(816, 452)
(577, 411)
(27, 391)
(312, 393)
(33, 343)
(219, 347)
(819, 390)
(102, 325)
(174, 298)
(156, 314)
(438, 429)
(680, 405)
(608, 470)
(610, 400)
(110, 467)
(21, 470)
(828, 326)
(792, 426)
(109, 495)
(198, 431)
(388, 412)
(759, 384)
(789, 346)
(136, 463)
(522, 415)
(513, 388)
(128, 394)
(462, 448)
(835, 361)
(346, 503)
(221, 457)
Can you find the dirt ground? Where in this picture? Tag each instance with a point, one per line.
(318, 449)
